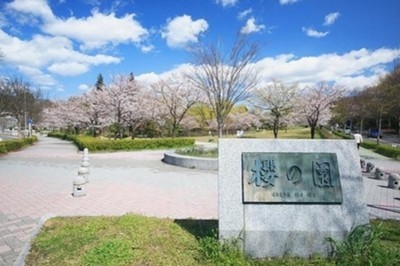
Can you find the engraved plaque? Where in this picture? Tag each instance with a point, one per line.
(291, 178)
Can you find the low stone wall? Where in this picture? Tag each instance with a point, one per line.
(190, 162)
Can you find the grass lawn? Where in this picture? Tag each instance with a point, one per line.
(138, 240)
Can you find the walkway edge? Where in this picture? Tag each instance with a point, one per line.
(20, 261)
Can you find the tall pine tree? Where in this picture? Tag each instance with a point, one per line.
(100, 82)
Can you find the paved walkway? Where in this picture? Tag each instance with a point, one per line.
(36, 183)
(383, 202)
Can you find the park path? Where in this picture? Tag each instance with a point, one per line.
(382, 202)
(36, 183)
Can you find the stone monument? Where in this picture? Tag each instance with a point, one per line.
(285, 197)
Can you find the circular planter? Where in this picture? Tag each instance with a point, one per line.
(173, 158)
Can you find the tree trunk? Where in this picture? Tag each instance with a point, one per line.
(220, 132)
(379, 127)
(312, 129)
(276, 127)
(220, 126)
(19, 126)
(174, 126)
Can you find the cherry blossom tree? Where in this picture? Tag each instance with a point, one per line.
(315, 103)
(140, 109)
(95, 112)
(177, 95)
(278, 100)
(118, 99)
(243, 120)
(225, 78)
(190, 123)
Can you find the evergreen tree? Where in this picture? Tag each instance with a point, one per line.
(100, 82)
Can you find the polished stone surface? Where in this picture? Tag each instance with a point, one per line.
(275, 230)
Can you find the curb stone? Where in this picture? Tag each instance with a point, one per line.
(20, 261)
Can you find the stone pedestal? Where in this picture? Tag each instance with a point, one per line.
(370, 167)
(79, 189)
(394, 181)
(380, 174)
(277, 229)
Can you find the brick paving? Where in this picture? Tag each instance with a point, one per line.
(382, 202)
(36, 184)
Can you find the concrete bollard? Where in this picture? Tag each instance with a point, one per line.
(394, 181)
(78, 189)
(370, 167)
(84, 172)
(85, 164)
(362, 164)
(85, 159)
(380, 174)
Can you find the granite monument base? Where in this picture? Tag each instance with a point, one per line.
(276, 229)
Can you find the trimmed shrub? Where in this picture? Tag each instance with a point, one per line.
(131, 144)
(95, 144)
(57, 135)
(326, 134)
(342, 135)
(198, 152)
(3, 148)
(16, 144)
(385, 150)
(388, 151)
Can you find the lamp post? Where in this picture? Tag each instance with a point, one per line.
(25, 114)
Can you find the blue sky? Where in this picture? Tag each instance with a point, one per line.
(62, 45)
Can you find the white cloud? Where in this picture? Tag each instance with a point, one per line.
(226, 3)
(68, 68)
(331, 18)
(38, 8)
(251, 26)
(286, 2)
(354, 69)
(181, 30)
(83, 87)
(314, 33)
(245, 13)
(95, 31)
(44, 53)
(99, 30)
(37, 76)
(146, 48)
(149, 78)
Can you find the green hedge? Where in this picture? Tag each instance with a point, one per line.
(342, 135)
(3, 148)
(95, 144)
(326, 134)
(16, 144)
(383, 149)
